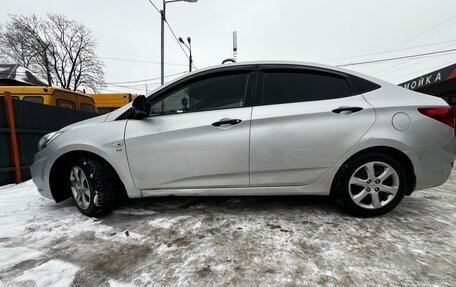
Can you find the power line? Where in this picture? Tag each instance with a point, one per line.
(141, 61)
(397, 58)
(158, 10)
(172, 31)
(145, 80)
(177, 40)
(389, 69)
(390, 51)
(421, 33)
(126, 87)
(425, 31)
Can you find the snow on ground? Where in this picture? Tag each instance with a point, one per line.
(227, 241)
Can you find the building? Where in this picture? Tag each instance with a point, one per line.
(15, 75)
(440, 83)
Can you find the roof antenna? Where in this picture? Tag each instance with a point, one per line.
(233, 60)
(235, 46)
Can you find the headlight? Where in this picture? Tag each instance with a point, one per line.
(45, 140)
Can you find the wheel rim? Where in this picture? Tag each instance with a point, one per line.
(80, 187)
(373, 185)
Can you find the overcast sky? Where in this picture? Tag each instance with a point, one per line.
(324, 31)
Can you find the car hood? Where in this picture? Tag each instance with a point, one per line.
(90, 121)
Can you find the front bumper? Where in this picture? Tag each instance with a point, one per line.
(40, 170)
(433, 165)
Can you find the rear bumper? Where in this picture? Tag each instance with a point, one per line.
(41, 169)
(432, 165)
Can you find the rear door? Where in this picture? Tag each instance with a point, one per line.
(303, 121)
(197, 135)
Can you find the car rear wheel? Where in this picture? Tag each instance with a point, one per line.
(91, 184)
(370, 185)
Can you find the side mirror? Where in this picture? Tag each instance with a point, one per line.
(140, 107)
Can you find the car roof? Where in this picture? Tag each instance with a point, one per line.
(281, 62)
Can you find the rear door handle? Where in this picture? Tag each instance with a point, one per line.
(347, 109)
(227, 122)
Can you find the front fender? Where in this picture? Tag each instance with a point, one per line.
(103, 139)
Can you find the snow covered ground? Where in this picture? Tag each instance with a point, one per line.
(227, 241)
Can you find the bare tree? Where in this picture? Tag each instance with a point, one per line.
(59, 49)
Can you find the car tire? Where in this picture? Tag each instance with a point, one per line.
(92, 187)
(362, 189)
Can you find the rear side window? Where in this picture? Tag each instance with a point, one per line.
(87, 108)
(33, 99)
(281, 87)
(65, 104)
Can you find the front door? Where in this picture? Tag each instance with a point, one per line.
(197, 135)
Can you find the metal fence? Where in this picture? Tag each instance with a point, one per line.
(31, 122)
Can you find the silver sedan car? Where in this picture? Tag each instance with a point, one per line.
(260, 128)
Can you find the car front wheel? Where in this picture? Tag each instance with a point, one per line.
(91, 184)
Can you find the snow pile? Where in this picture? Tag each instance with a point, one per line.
(54, 273)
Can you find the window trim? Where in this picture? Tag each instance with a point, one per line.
(250, 87)
(67, 101)
(258, 99)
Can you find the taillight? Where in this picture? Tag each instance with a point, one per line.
(445, 115)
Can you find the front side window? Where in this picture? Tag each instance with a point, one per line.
(216, 92)
(281, 87)
(33, 99)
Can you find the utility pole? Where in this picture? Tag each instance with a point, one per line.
(163, 19)
(162, 66)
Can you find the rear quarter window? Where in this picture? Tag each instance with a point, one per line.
(362, 86)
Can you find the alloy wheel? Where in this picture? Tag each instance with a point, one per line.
(80, 187)
(373, 185)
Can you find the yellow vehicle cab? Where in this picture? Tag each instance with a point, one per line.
(51, 96)
(107, 103)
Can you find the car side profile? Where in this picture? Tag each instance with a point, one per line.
(259, 128)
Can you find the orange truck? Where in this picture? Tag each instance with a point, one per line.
(108, 102)
(51, 96)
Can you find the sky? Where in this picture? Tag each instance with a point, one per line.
(325, 31)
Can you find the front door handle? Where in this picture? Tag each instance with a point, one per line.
(227, 122)
(347, 109)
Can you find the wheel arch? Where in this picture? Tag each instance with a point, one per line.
(59, 187)
(403, 159)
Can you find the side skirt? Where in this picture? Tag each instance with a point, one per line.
(225, 191)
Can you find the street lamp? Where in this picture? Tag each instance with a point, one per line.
(189, 47)
(163, 19)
